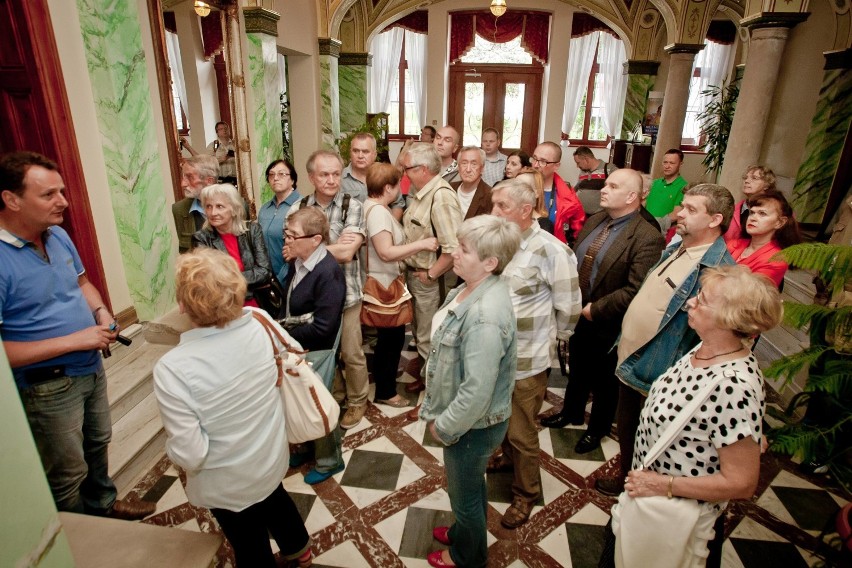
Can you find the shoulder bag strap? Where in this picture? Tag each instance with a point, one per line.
(667, 437)
(366, 243)
(279, 364)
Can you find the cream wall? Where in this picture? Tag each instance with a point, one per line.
(66, 28)
(796, 94)
(298, 41)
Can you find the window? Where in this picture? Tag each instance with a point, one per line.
(484, 51)
(589, 126)
(710, 68)
(402, 119)
(180, 115)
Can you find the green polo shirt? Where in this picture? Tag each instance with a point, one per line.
(664, 197)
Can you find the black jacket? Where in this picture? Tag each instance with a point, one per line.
(256, 267)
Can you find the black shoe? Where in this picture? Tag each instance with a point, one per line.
(610, 486)
(588, 443)
(559, 421)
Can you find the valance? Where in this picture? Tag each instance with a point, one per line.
(211, 34)
(417, 22)
(722, 31)
(583, 24)
(532, 26)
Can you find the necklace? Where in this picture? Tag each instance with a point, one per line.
(716, 355)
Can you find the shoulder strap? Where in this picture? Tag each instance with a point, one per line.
(304, 201)
(367, 244)
(279, 364)
(345, 206)
(667, 437)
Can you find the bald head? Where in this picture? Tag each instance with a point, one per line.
(446, 143)
(622, 192)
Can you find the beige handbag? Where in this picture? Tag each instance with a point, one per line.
(310, 411)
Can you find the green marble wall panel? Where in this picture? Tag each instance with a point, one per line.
(636, 99)
(824, 146)
(263, 80)
(329, 90)
(116, 61)
(353, 96)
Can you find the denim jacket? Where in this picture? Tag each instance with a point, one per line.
(470, 372)
(674, 337)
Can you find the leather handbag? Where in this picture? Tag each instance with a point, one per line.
(270, 296)
(310, 411)
(381, 306)
(662, 532)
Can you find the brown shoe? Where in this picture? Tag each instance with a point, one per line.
(414, 413)
(497, 464)
(517, 514)
(132, 510)
(353, 416)
(416, 386)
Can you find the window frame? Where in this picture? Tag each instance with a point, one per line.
(587, 117)
(401, 69)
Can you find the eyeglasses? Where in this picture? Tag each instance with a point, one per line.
(536, 160)
(699, 299)
(276, 175)
(406, 168)
(293, 237)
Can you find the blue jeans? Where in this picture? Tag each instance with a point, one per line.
(70, 422)
(465, 463)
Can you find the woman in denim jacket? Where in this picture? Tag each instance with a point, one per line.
(469, 379)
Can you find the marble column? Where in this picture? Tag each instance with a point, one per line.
(768, 33)
(329, 52)
(263, 82)
(352, 77)
(675, 99)
(640, 79)
(828, 132)
(112, 36)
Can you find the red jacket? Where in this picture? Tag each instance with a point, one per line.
(760, 261)
(569, 210)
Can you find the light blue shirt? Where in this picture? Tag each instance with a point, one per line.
(272, 219)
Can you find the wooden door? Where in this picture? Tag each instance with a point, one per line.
(34, 115)
(505, 97)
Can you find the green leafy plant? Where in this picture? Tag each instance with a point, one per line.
(375, 126)
(715, 121)
(823, 434)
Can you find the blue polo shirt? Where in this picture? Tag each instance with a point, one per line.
(40, 298)
(272, 219)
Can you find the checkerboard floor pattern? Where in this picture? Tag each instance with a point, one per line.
(380, 510)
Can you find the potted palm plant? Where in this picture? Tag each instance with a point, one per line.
(716, 120)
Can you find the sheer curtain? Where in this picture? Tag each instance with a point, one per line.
(173, 48)
(386, 49)
(715, 62)
(581, 54)
(415, 54)
(611, 56)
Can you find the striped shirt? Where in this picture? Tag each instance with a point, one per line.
(545, 290)
(494, 169)
(433, 211)
(354, 223)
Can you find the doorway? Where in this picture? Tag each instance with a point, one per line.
(505, 97)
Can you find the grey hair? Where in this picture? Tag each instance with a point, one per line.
(719, 201)
(425, 154)
(491, 236)
(518, 190)
(229, 192)
(474, 149)
(205, 165)
(322, 154)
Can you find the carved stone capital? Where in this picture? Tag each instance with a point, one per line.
(774, 20)
(692, 48)
(640, 67)
(329, 46)
(261, 20)
(356, 58)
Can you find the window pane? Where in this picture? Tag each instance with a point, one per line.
(483, 51)
(596, 124)
(474, 99)
(513, 114)
(412, 123)
(393, 108)
(178, 114)
(577, 130)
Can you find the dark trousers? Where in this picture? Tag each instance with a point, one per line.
(248, 531)
(389, 344)
(591, 370)
(630, 403)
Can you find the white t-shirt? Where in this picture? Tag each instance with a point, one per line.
(377, 221)
(465, 199)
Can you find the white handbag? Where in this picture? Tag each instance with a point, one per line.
(310, 411)
(662, 532)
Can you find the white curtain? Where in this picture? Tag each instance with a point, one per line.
(173, 48)
(611, 56)
(386, 49)
(715, 62)
(581, 54)
(415, 54)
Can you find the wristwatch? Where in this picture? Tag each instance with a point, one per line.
(429, 276)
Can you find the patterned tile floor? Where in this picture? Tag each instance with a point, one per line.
(380, 511)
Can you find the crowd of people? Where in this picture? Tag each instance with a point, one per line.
(633, 282)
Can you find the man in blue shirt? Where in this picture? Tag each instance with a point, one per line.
(53, 322)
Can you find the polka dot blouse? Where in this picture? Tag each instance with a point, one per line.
(733, 411)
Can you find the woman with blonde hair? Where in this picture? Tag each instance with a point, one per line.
(701, 426)
(534, 178)
(223, 416)
(227, 230)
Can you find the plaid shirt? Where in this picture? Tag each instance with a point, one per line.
(542, 279)
(436, 206)
(494, 169)
(354, 223)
